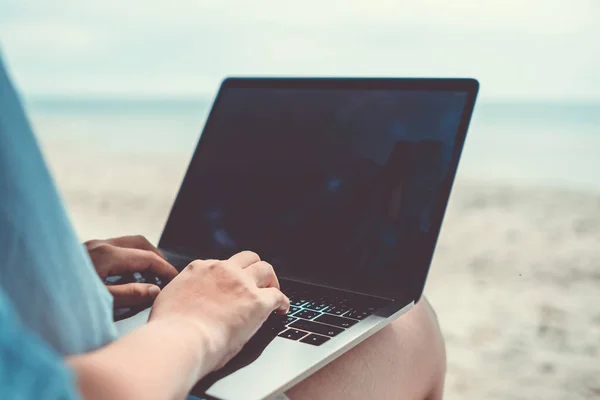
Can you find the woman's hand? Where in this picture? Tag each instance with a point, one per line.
(225, 302)
(126, 255)
(199, 321)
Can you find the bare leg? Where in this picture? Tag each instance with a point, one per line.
(405, 360)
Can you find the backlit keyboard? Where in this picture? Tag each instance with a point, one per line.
(318, 314)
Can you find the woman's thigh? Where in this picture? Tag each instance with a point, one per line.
(405, 360)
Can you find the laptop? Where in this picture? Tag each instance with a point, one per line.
(340, 184)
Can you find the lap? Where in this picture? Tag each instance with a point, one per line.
(404, 360)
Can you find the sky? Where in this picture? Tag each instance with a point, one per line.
(517, 49)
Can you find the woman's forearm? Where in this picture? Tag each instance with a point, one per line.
(160, 360)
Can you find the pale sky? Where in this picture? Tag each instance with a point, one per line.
(537, 49)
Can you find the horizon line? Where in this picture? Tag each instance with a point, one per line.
(30, 99)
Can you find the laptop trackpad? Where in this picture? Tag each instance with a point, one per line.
(260, 370)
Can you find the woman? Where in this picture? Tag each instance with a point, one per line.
(58, 339)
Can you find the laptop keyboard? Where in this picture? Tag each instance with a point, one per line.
(318, 314)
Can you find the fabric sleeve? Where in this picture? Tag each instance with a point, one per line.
(29, 369)
(44, 269)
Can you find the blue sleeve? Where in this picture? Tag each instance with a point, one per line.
(44, 269)
(29, 369)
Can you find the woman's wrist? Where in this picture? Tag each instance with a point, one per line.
(162, 359)
(195, 342)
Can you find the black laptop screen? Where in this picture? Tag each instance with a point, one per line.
(333, 186)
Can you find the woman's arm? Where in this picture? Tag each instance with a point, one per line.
(160, 360)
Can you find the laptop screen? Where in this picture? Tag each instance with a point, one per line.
(332, 186)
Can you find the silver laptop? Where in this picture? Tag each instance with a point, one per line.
(341, 184)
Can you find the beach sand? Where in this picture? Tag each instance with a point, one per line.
(515, 278)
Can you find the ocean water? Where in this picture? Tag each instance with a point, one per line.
(538, 144)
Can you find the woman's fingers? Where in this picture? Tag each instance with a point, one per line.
(112, 260)
(135, 260)
(244, 259)
(135, 242)
(275, 300)
(263, 274)
(133, 294)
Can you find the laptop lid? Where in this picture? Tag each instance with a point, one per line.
(337, 182)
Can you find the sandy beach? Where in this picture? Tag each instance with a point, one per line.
(515, 278)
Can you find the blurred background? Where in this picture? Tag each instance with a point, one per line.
(118, 93)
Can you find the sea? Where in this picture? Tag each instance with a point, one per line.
(541, 144)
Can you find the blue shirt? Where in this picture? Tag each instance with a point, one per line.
(29, 368)
(52, 302)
